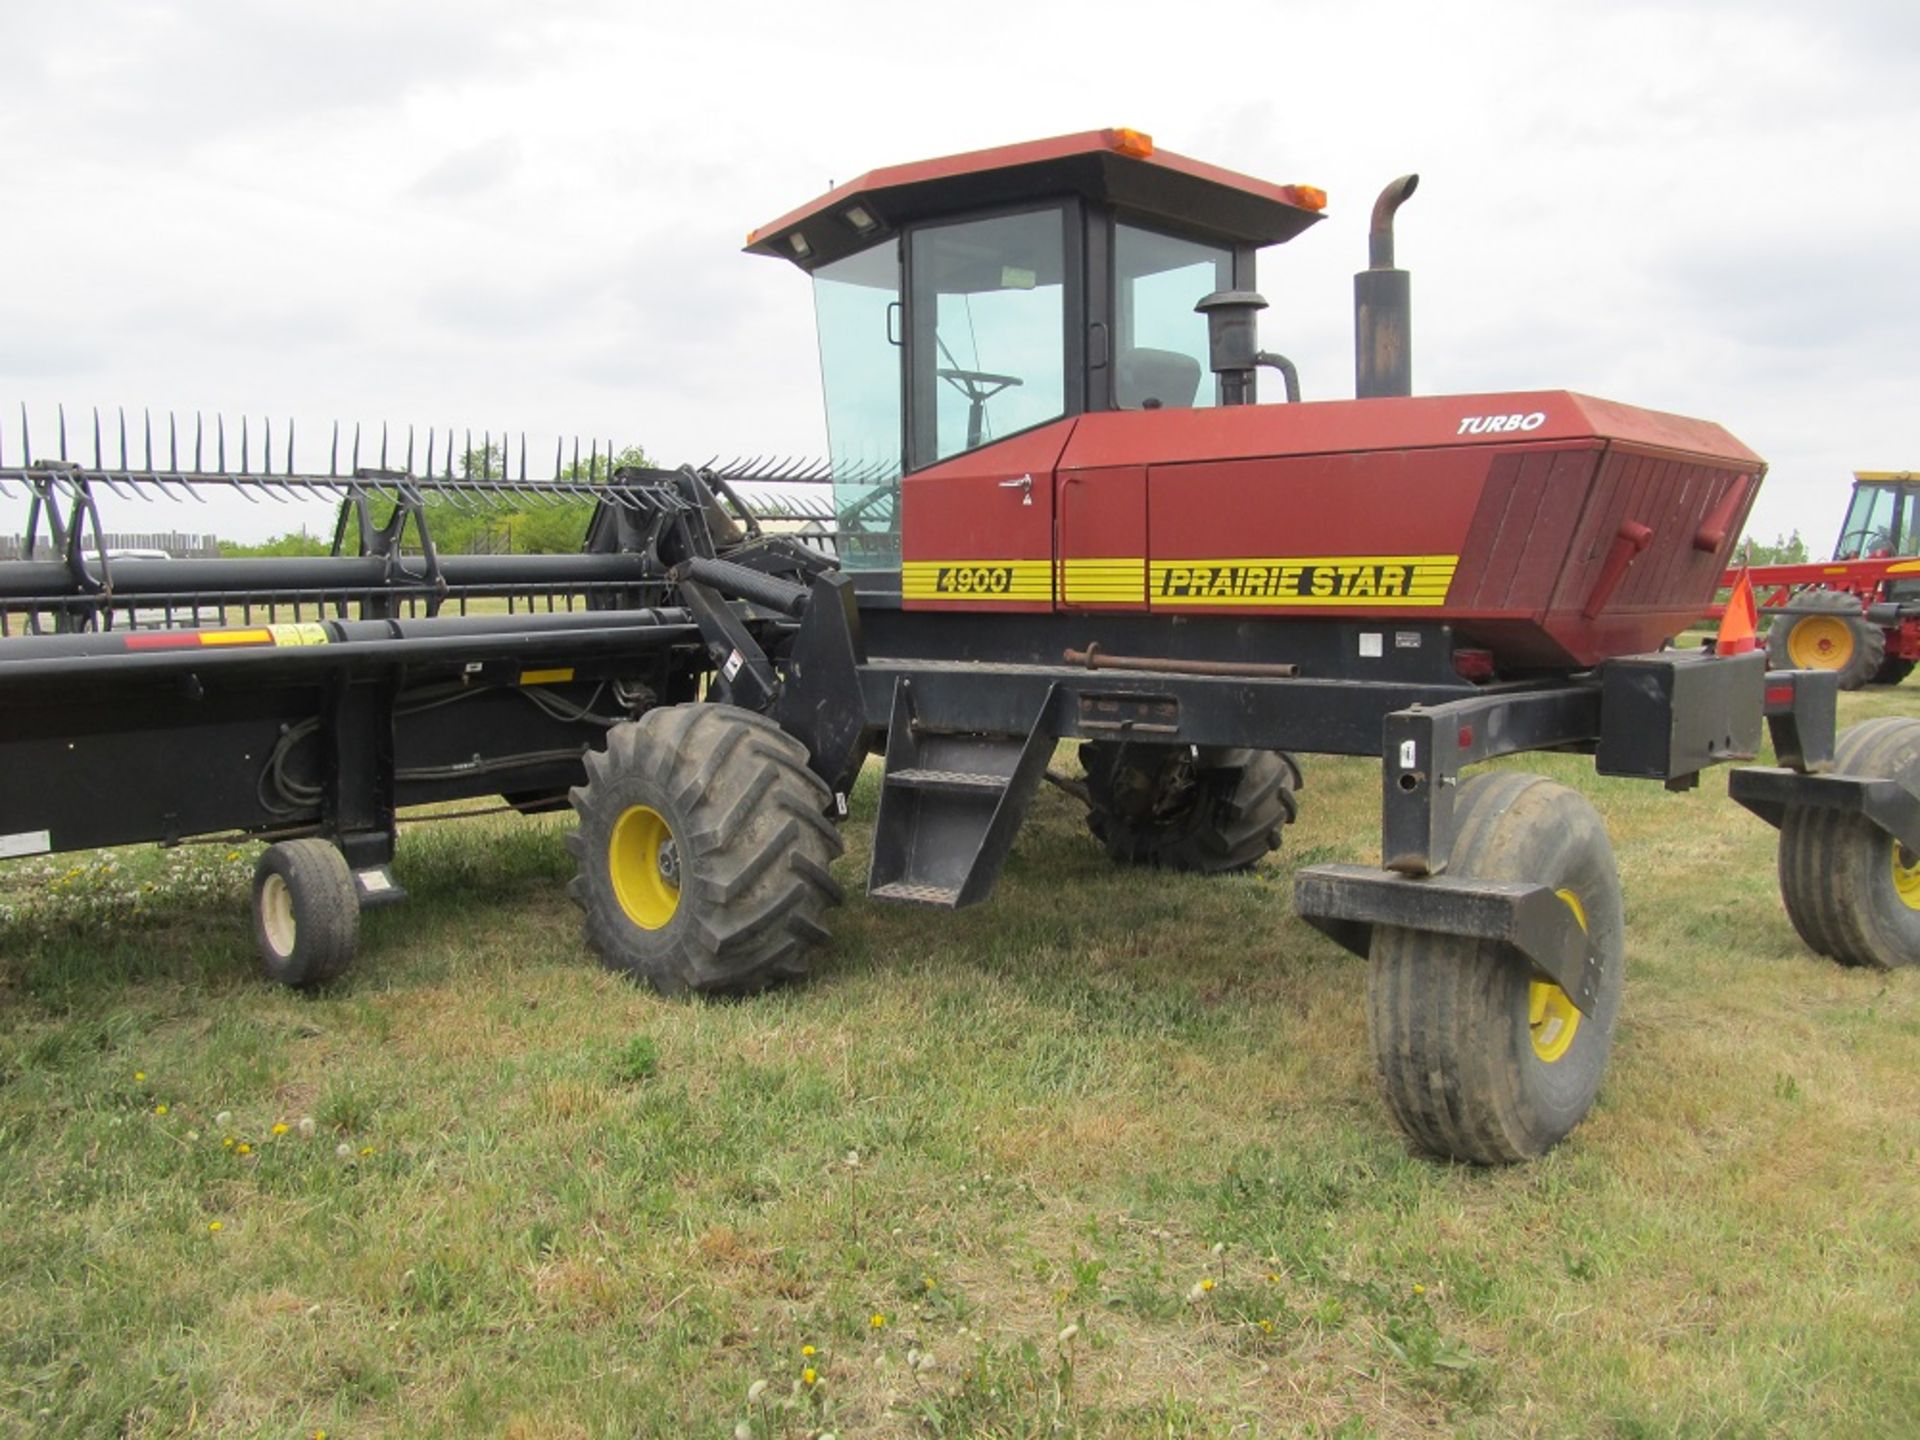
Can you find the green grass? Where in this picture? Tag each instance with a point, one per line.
(568, 1208)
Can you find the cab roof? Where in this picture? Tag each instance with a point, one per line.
(1117, 167)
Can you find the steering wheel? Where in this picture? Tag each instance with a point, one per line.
(979, 386)
(1867, 537)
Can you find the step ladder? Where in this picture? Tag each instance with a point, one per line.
(951, 803)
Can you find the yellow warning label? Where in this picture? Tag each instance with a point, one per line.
(972, 580)
(1395, 581)
(254, 636)
(557, 676)
(305, 633)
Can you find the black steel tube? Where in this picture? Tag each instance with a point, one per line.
(412, 639)
(31, 579)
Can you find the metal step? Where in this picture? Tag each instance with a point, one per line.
(960, 781)
(944, 897)
(950, 803)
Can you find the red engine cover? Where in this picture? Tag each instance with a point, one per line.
(1553, 528)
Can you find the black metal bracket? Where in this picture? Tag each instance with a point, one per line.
(1424, 749)
(357, 792)
(1802, 709)
(1770, 791)
(820, 703)
(746, 676)
(1345, 902)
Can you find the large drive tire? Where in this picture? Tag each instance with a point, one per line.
(1480, 1059)
(703, 848)
(1851, 889)
(1164, 805)
(1892, 671)
(306, 912)
(1827, 630)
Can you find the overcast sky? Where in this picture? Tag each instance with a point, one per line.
(487, 213)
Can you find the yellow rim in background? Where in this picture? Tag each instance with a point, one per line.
(645, 865)
(1906, 877)
(1820, 642)
(1552, 1016)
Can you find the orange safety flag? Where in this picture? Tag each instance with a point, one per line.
(1740, 621)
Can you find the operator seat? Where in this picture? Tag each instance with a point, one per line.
(1156, 380)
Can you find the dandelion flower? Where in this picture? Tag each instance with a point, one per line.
(233, 854)
(307, 1127)
(1272, 1279)
(139, 1075)
(1207, 1284)
(1267, 1326)
(877, 1321)
(1419, 1289)
(227, 1143)
(160, 1109)
(215, 1226)
(280, 1127)
(366, 1150)
(809, 1376)
(808, 1351)
(243, 1148)
(755, 1391)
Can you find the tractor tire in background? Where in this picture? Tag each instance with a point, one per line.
(1827, 630)
(306, 912)
(1851, 889)
(1210, 811)
(1480, 1059)
(704, 849)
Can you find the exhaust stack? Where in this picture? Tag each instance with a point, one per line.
(1383, 306)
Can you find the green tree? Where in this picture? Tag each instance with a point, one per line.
(1785, 550)
(292, 543)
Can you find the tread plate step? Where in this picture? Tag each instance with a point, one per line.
(946, 780)
(911, 894)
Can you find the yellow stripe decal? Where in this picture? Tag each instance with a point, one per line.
(236, 637)
(965, 581)
(1105, 581)
(1352, 581)
(1359, 581)
(557, 676)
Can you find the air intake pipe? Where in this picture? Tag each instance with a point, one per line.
(1383, 306)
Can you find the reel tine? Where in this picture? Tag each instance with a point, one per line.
(383, 446)
(429, 453)
(266, 447)
(63, 431)
(290, 469)
(333, 456)
(26, 439)
(558, 443)
(409, 449)
(245, 466)
(220, 442)
(122, 411)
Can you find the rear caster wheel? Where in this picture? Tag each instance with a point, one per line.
(306, 912)
(703, 849)
(1851, 889)
(1479, 1059)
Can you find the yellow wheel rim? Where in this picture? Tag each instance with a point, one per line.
(1820, 642)
(1552, 1017)
(1906, 876)
(644, 862)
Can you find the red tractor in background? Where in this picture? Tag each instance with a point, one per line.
(1858, 614)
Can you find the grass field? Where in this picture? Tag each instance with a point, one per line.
(1102, 1158)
